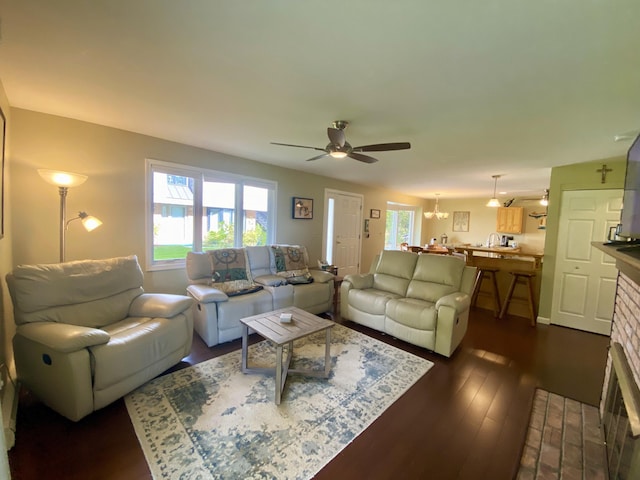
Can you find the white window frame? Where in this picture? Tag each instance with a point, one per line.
(415, 227)
(201, 175)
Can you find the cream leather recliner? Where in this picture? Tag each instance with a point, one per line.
(87, 334)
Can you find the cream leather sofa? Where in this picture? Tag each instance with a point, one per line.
(421, 299)
(217, 315)
(87, 334)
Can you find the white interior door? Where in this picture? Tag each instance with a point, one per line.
(342, 238)
(585, 278)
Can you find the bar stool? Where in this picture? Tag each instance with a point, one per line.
(485, 272)
(523, 278)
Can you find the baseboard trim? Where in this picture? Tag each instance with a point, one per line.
(544, 320)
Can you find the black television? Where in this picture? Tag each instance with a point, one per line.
(630, 218)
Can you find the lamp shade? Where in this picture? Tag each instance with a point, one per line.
(62, 179)
(90, 223)
(494, 202)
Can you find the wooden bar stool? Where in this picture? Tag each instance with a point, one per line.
(485, 272)
(523, 278)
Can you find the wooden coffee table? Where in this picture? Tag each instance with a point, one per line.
(269, 326)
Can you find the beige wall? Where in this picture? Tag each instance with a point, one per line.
(7, 328)
(114, 160)
(582, 176)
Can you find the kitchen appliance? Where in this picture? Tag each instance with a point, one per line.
(504, 240)
(614, 235)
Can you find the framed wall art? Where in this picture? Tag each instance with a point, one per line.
(461, 221)
(302, 208)
(375, 213)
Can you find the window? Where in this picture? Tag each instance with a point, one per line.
(400, 225)
(235, 211)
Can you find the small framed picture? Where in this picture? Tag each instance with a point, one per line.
(302, 208)
(375, 213)
(461, 221)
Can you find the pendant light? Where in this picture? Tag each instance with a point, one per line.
(494, 202)
(544, 201)
(436, 213)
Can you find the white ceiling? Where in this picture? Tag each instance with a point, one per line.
(510, 87)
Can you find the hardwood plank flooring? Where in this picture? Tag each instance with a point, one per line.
(465, 419)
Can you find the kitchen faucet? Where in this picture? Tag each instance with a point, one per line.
(493, 240)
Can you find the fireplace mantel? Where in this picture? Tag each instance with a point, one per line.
(627, 264)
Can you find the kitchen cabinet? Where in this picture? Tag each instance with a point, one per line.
(510, 219)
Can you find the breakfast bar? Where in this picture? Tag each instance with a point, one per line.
(505, 261)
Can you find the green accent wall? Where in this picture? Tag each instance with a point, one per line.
(581, 176)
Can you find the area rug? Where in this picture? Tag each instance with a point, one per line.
(212, 421)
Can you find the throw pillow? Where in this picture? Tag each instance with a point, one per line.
(292, 263)
(230, 272)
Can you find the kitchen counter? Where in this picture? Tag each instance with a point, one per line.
(506, 260)
(501, 252)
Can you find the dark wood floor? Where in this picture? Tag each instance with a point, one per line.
(465, 419)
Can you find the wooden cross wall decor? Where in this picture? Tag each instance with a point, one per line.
(603, 171)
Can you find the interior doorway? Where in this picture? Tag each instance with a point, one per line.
(585, 277)
(342, 240)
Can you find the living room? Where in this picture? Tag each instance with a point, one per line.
(113, 158)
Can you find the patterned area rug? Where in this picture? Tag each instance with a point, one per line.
(212, 421)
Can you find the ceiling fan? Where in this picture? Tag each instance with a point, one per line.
(338, 146)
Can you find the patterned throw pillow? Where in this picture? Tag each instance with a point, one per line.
(230, 272)
(291, 263)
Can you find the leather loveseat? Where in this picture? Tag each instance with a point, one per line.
(257, 280)
(421, 299)
(87, 334)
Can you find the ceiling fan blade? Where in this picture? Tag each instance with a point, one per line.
(336, 136)
(362, 158)
(383, 147)
(317, 158)
(299, 146)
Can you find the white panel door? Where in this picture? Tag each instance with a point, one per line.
(342, 231)
(585, 278)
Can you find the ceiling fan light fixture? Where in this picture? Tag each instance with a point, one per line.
(494, 202)
(338, 146)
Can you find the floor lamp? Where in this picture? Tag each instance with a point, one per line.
(64, 181)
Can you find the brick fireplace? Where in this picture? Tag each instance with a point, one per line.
(626, 324)
(620, 400)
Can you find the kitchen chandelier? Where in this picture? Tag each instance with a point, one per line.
(436, 213)
(494, 202)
